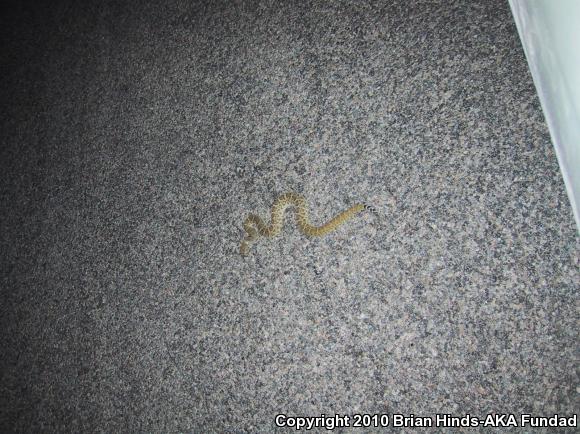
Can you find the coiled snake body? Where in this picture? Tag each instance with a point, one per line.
(255, 226)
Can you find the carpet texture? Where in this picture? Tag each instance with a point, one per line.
(137, 136)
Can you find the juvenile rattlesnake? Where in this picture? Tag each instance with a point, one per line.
(255, 226)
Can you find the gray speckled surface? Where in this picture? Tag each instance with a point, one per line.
(136, 138)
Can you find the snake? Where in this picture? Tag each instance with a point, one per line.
(256, 228)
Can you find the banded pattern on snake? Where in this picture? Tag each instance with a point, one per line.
(255, 226)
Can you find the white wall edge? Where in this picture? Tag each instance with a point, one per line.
(550, 37)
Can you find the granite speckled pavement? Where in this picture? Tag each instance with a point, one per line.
(136, 137)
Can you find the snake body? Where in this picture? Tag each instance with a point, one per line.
(255, 226)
